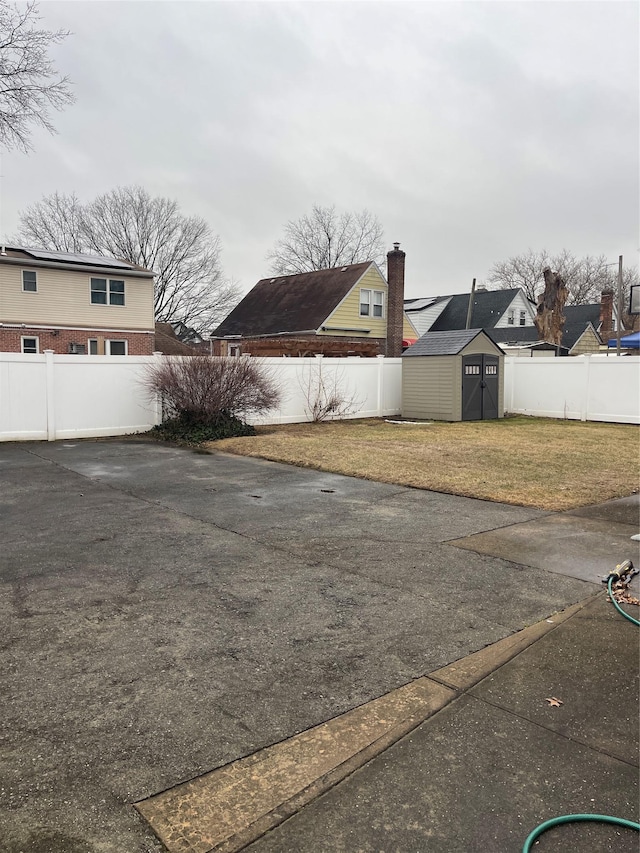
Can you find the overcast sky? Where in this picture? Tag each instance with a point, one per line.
(473, 130)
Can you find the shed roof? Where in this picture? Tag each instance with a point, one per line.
(446, 343)
(291, 303)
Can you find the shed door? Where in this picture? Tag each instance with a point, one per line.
(479, 387)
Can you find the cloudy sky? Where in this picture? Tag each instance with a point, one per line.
(473, 130)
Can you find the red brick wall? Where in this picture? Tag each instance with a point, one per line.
(139, 343)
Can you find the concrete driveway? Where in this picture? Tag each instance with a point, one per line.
(165, 612)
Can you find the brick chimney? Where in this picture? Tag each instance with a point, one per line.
(606, 314)
(395, 301)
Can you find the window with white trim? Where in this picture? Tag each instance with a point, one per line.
(107, 291)
(511, 317)
(29, 345)
(93, 346)
(29, 281)
(371, 303)
(115, 347)
(523, 318)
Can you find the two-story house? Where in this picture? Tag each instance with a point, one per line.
(74, 303)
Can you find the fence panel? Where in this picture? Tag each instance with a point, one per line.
(596, 388)
(23, 397)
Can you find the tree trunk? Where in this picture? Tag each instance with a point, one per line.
(549, 318)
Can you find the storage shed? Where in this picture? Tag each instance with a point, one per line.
(453, 376)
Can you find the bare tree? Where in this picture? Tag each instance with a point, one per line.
(325, 392)
(326, 239)
(585, 278)
(207, 389)
(128, 223)
(55, 222)
(29, 83)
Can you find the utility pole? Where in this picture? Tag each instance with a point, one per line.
(619, 317)
(470, 306)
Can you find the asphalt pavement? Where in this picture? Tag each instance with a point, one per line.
(167, 613)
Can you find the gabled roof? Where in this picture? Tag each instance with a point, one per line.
(576, 320)
(445, 343)
(291, 303)
(48, 258)
(488, 307)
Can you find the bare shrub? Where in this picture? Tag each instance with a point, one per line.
(326, 396)
(205, 389)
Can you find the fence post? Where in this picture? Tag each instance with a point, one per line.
(157, 403)
(380, 384)
(584, 414)
(50, 392)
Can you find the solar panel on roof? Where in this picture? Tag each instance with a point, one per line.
(77, 258)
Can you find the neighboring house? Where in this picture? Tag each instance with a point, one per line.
(350, 310)
(73, 303)
(491, 309)
(168, 343)
(585, 329)
(509, 318)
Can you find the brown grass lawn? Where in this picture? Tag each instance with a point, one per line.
(550, 464)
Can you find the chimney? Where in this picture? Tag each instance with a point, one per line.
(395, 301)
(606, 314)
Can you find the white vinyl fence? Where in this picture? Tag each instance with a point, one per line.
(586, 387)
(49, 397)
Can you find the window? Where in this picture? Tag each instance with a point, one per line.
(371, 303)
(472, 370)
(235, 350)
(116, 347)
(523, 318)
(93, 346)
(511, 317)
(29, 281)
(491, 370)
(107, 291)
(30, 345)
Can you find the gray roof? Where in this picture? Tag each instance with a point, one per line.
(445, 343)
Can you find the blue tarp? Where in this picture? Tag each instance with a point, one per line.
(627, 342)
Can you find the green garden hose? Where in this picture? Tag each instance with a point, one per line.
(615, 603)
(574, 818)
(620, 572)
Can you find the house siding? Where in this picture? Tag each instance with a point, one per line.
(408, 331)
(588, 342)
(63, 299)
(518, 304)
(424, 320)
(347, 313)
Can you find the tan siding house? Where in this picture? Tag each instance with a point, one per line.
(74, 304)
